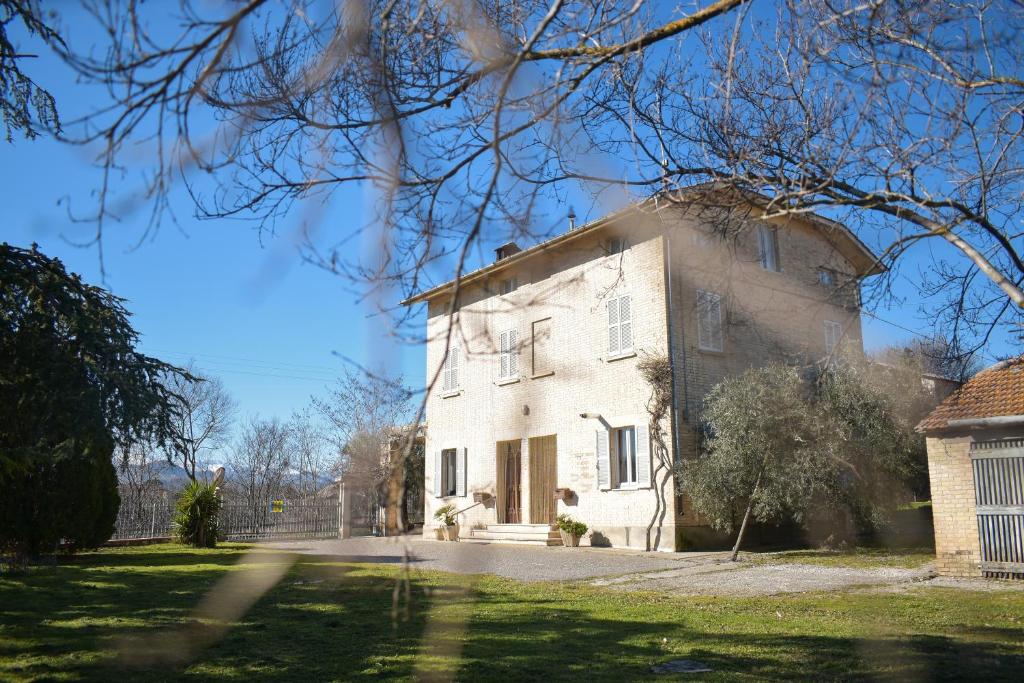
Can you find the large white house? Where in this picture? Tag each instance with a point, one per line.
(539, 407)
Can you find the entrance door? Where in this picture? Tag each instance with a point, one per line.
(543, 479)
(509, 469)
(999, 501)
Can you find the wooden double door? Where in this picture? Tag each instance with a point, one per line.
(543, 479)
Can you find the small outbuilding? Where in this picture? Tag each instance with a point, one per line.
(975, 443)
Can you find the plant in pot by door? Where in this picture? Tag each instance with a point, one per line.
(571, 530)
(449, 527)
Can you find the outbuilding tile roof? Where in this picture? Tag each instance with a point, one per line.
(994, 392)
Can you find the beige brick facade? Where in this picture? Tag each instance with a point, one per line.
(957, 548)
(767, 316)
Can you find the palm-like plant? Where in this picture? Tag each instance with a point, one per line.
(195, 517)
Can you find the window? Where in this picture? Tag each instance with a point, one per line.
(709, 321)
(615, 245)
(827, 277)
(542, 348)
(620, 325)
(449, 466)
(450, 473)
(833, 333)
(450, 372)
(507, 286)
(509, 354)
(768, 246)
(625, 456)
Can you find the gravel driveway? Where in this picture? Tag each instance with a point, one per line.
(525, 563)
(728, 578)
(688, 573)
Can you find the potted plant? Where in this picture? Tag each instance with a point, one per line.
(571, 530)
(449, 526)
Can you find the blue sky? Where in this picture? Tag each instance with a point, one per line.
(244, 307)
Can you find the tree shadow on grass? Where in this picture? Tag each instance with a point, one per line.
(568, 644)
(330, 621)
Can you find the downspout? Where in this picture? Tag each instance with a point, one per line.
(676, 455)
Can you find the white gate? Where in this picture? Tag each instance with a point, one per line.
(999, 498)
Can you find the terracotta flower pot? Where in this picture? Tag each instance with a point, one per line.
(569, 540)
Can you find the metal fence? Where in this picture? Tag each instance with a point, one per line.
(151, 519)
(316, 518)
(311, 518)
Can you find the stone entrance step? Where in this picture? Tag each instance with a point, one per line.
(525, 534)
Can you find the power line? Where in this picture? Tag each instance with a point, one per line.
(280, 365)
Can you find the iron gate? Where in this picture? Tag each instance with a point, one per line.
(999, 498)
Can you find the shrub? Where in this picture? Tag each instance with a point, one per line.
(66, 492)
(571, 526)
(195, 516)
(72, 390)
(446, 514)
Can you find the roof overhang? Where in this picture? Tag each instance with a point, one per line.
(864, 260)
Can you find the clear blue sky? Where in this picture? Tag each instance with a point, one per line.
(248, 311)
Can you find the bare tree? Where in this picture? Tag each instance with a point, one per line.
(364, 413)
(138, 477)
(25, 106)
(903, 119)
(259, 461)
(205, 412)
(466, 120)
(313, 456)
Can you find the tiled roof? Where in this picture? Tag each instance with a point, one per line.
(995, 392)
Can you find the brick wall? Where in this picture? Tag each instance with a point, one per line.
(571, 287)
(957, 549)
(769, 316)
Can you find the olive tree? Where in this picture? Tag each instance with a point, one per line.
(782, 446)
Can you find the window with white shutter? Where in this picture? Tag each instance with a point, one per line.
(833, 333)
(450, 372)
(620, 325)
(709, 321)
(509, 354)
(768, 246)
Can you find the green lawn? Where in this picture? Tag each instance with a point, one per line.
(127, 614)
(860, 558)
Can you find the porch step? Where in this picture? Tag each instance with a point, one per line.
(525, 534)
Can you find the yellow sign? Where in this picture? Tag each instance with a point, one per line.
(277, 506)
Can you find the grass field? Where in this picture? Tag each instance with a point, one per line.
(859, 558)
(128, 614)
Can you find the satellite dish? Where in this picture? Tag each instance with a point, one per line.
(218, 477)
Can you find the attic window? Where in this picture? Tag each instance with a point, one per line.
(507, 286)
(615, 245)
(827, 277)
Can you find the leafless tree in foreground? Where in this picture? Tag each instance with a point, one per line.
(203, 420)
(902, 118)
